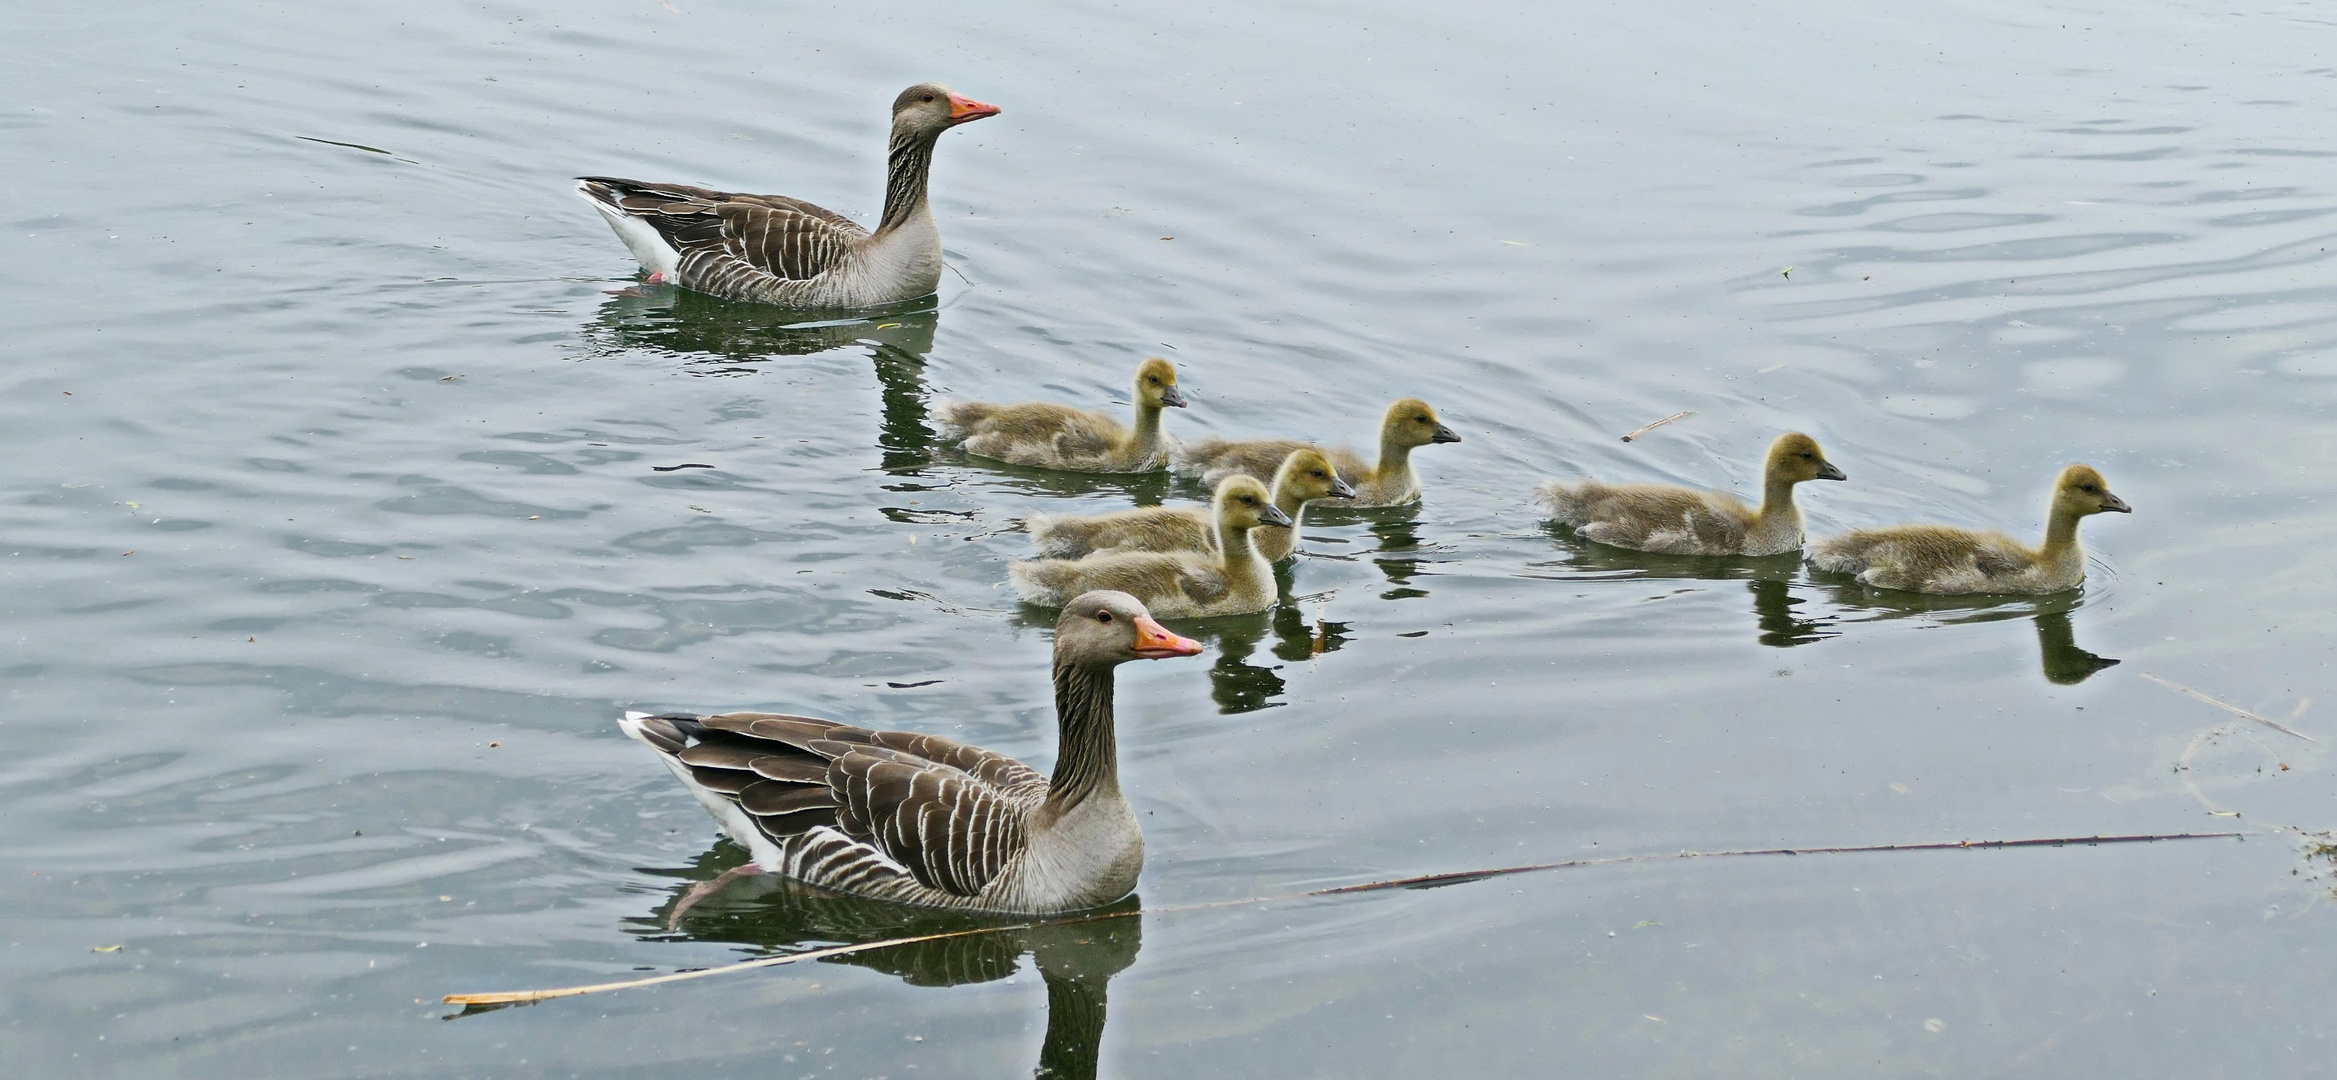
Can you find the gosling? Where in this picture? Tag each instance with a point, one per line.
(1306, 475)
(1231, 580)
(1409, 423)
(1684, 521)
(1950, 561)
(1052, 436)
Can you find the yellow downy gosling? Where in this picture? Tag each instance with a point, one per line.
(1684, 521)
(1306, 475)
(1231, 580)
(1052, 436)
(1950, 561)
(1390, 482)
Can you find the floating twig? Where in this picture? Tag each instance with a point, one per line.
(677, 468)
(2229, 707)
(1418, 881)
(1672, 419)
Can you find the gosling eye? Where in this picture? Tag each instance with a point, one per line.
(1101, 616)
(2089, 489)
(1807, 456)
(1419, 419)
(1318, 474)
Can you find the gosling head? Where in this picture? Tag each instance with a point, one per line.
(931, 108)
(2082, 491)
(1795, 457)
(1309, 475)
(1411, 422)
(1156, 385)
(1242, 502)
(1106, 628)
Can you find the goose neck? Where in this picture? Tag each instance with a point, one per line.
(1776, 498)
(1146, 434)
(2060, 532)
(1395, 461)
(1244, 566)
(909, 163)
(1087, 759)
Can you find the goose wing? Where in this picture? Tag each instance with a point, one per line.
(728, 239)
(949, 814)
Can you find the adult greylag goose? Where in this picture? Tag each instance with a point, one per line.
(1684, 521)
(1052, 436)
(1951, 561)
(1306, 475)
(921, 819)
(771, 249)
(1232, 579)
(1409, 424)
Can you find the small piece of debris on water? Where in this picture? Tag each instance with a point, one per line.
(680, 467)
(912, 685)
(1672, 419)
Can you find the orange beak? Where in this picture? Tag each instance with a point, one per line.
(1155, 642)
(963, 109)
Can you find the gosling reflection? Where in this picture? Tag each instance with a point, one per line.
(1399, 555)
(1781, 626)
(2060, 658)
(771, 915)
(2065, 664)
(1239, 686)
(1779, 613)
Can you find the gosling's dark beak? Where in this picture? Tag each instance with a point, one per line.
(1341, 489)
(1271, 514)
(1445, 434)
(2114, 504)
(1173, 398)
(1828, 472)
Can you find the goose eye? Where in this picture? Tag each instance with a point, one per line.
(1103, 616)
(928, 97)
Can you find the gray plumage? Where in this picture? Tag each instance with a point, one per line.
(776, 250)
(922, 819)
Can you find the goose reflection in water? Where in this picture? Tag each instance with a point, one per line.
(723, 338)
(771, 915)
(2061, 660)
(1239, 686)
(1778, 612)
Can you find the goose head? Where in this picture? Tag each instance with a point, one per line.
(1103, 628)
(1795, 457)
(933, 108)
(1242, 503)
(1308, 475)
(2082, 491)
(1410, 422)
(1156, 385)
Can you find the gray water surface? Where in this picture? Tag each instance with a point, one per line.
(332, 539)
